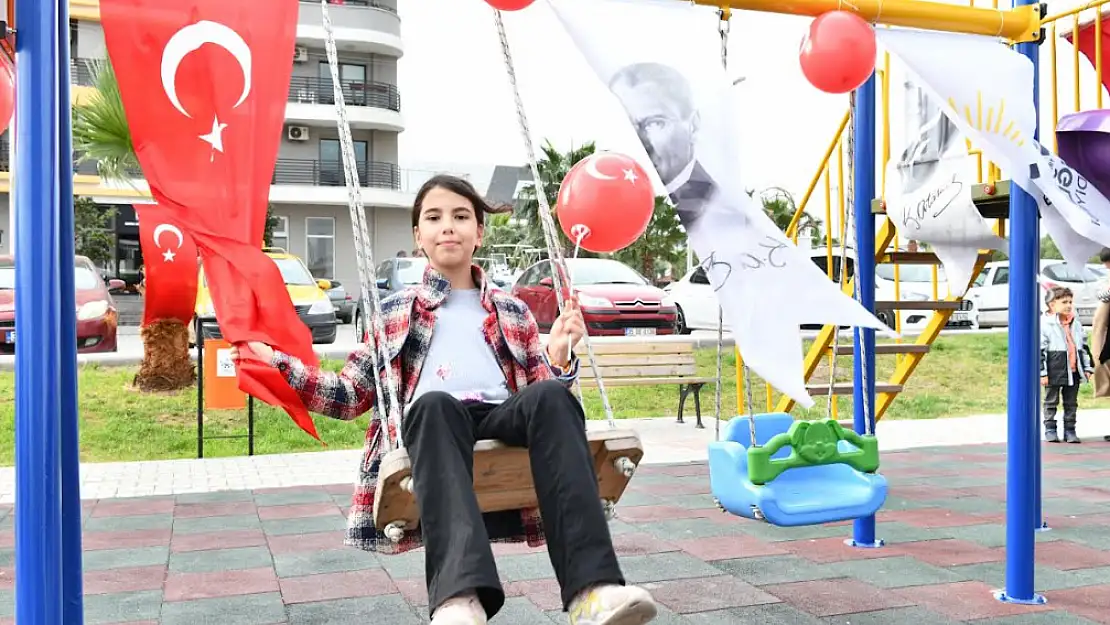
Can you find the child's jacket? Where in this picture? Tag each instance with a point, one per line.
(1062, 368)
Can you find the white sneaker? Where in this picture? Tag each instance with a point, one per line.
(464, 610)
(610, 604)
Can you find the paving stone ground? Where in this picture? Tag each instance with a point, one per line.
(271, 556)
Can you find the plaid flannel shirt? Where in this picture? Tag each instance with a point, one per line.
(409, 319)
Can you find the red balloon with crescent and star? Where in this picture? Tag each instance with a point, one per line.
(605, 202)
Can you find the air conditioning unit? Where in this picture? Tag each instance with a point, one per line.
(297, 133)
(300, 55)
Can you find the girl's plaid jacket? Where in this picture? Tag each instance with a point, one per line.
(409, 319)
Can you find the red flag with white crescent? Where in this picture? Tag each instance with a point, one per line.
(169, 265)
(204, 84)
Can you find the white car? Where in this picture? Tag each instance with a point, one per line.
(991, 290)
(696, 301)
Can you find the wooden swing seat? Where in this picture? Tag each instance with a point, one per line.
(502, 478)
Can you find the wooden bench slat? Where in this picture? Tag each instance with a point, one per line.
(642, 371)
(628, 347)
(589, 381)
(626, 360)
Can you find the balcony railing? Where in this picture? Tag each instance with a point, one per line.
(359, 3)
(302, 89)
(309, 90)
(311, 172)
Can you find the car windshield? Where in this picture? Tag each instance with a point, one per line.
(910, 273)
(1061, 272)
(411, 270)
(603, 271)
(85, 278)
(293, 272)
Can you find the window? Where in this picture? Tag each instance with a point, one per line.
(331, 161)
(1061, 272)
(410, 271)
(699, 277)
(280, 235)
(384, 270)
(320, 246)
(293, 272)
(981, 279)
(352, 77)
(602, 271)
(1002, 276)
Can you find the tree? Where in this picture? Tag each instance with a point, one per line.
(271, 222)
(662, 244)
(553, 166)
(101, 135)
(91, 236)
(780, 206)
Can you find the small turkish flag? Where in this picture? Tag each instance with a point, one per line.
(204, 85)
(169, 265)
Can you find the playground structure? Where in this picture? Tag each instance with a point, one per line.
(48, 548)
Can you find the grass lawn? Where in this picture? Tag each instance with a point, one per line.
(963, 375)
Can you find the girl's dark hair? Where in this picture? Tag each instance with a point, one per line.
(461, 187)
(1104, 255)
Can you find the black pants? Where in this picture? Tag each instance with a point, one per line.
(440, 431)
(1052, 396)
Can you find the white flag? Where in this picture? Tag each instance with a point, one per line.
(995, 110)
(929, 183)
(667, 75)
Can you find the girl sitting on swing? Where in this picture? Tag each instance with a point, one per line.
(470, 366)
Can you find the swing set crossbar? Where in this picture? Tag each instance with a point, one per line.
(1019, 24)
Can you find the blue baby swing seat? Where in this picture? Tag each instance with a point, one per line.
(801, 495)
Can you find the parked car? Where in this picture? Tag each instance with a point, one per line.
(392, 275)
(97, 318)
(342, 301)
(615, 299)
(991, 291)
(696, 302)
(309, 297)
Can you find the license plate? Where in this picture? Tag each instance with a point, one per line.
(9, 337)
(1083, 312)
(959, 316)
(639, 331)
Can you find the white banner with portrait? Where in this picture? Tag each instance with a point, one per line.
(995, 110)
(929, 186)
(667, 75)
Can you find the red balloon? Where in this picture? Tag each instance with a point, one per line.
(510, 5)
(838, 53)
(7, 92)
(606, 200)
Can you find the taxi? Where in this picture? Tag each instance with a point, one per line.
(309, 295)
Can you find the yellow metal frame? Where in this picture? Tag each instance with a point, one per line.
(1017, 24)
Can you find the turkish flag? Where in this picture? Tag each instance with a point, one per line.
(1087, 45)
(204, 84)
(169, 265)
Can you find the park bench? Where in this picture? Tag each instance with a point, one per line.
(647, 363)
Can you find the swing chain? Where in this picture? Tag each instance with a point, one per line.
(550, 233)
(723, 25)
(364, 255)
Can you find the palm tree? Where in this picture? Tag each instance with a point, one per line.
(101, 135)
(554, 166)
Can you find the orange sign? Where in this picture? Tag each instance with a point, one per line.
(221, 387)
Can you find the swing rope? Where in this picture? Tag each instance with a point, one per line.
(551, 236)
(364, 255)
(723, 25)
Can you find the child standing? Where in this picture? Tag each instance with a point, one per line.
(1065, 363)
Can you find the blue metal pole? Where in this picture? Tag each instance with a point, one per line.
(863, 169)
(73, 610)
(38, 556)
(1031, 51)
(1021, 436)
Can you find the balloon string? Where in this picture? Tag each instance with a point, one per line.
(579, 232)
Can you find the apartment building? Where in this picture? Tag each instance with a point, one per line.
(308, 194)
